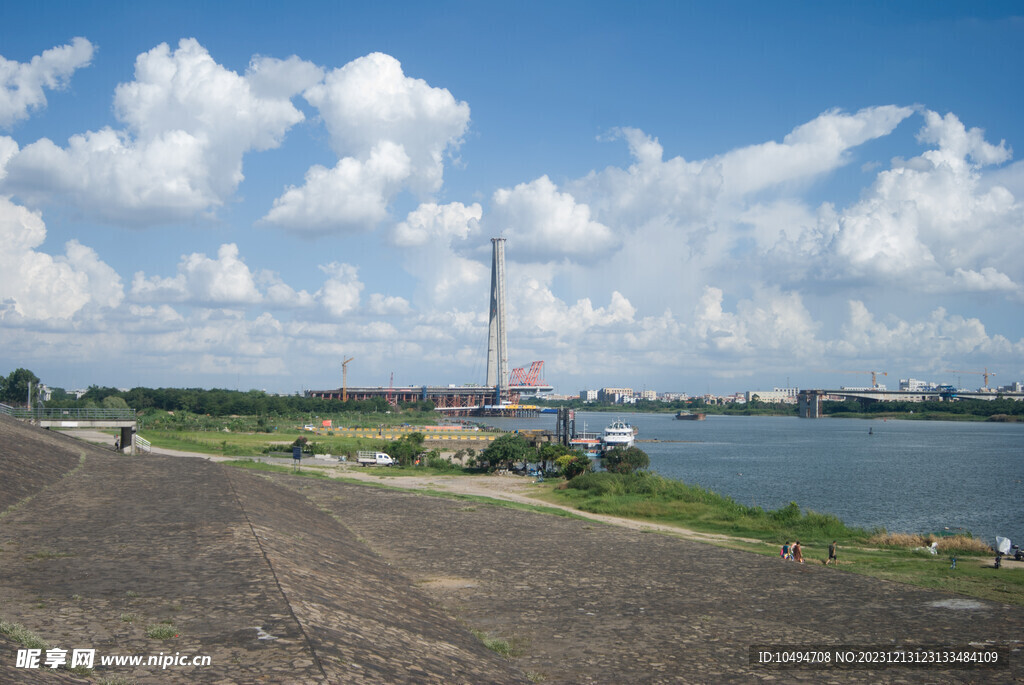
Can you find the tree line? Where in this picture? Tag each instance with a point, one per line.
(215, 402)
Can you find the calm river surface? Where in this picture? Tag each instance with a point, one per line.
(907, 476)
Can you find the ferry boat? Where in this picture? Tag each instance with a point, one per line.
(618, 434)
(588, 443)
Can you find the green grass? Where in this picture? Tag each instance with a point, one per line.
(254, 444)
(506, 648)
(161, 631)
(651, 497)
(50, 554)
(22, 635)
(660, 500)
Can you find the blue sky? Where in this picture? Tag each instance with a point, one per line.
(695, 196)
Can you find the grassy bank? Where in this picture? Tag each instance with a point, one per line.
(652, 497)
(896, 557)
(253, 444)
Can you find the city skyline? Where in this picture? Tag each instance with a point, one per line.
(701, 199)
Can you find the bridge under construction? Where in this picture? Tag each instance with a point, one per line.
(809, 401)
(501, 388)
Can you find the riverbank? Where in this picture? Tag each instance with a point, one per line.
(860, 553)
(279, 578)
(702, 521)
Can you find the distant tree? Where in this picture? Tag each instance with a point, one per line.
(573, 463)
(405, 450)
(114, 402)
(625, 460)
(550, 452)
(60, 395)
(15, 386)
(505, 451)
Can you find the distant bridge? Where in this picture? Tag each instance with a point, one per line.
(75, 417)
(809, 401)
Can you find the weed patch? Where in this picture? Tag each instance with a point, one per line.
(506, 648)
(22, 635)
(161, 631)
(49, 554)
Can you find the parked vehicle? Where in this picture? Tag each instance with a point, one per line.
(371, 458)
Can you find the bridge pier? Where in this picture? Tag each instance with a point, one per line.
(809, 403)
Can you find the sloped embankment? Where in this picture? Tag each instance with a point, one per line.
(31, 459)
(124, 545)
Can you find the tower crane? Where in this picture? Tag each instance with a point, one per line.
(344, 379)
(984, 373)
(874, 374)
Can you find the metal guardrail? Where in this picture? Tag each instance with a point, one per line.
(141, 443)
(69, 414)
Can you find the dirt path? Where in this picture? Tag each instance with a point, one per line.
(517, 489)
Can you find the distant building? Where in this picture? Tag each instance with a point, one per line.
(774, 396)
(649, 395)
(615, 395)
(588, 395)
(914, 385)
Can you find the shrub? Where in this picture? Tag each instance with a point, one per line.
(628, 460)
(573, 465)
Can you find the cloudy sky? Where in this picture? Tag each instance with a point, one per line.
(695, 196)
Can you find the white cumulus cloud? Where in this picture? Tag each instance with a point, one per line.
(808, 150)
(352, 195)
(391, 132)
(432, 239)
(188, 123)
(931, 222)
(22, 85)
(36, 285)
(370, 100)
(225, 280)
(548, 225)
(340, 293)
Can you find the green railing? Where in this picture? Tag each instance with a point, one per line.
(68, 414)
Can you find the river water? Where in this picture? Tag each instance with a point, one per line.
(904, 476)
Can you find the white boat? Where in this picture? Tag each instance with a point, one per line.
(618, 434)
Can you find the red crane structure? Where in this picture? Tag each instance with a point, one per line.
(522, 378)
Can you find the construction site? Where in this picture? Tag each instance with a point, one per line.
(501, 392)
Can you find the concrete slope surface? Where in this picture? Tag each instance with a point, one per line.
(287, 579)
(232, 566)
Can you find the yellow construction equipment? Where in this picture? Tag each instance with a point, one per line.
(984, 373)
(874, 374)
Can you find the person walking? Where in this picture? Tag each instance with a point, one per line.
(832, 554)
(798, 554)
